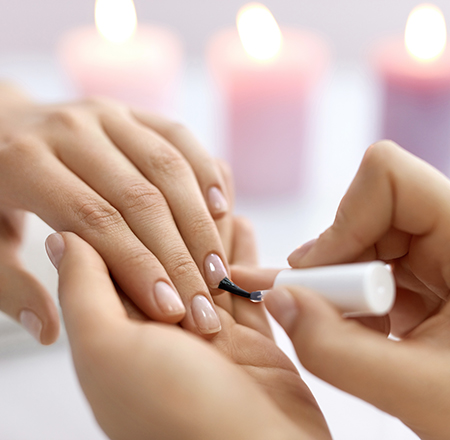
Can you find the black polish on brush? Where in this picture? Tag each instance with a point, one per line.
(229, 286)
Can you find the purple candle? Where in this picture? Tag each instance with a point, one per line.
(415, 78)
(265, 76)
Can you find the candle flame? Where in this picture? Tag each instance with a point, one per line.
(426, 34)
(259, 31)
(115, 19)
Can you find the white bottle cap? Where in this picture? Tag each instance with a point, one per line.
(358, 289)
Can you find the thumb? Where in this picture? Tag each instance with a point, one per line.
(390, 375)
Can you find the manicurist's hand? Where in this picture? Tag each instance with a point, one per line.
(137, 187)
(152, 380)
(398, 210)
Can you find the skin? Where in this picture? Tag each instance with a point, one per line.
(150, 380)
(397, 210)
(133, 185)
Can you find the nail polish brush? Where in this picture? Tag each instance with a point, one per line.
(358, 289)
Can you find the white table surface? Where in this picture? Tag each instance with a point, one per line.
(39, 394)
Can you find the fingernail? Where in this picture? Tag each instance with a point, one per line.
(168, 300)
(301, 251)
(55, 248)
(214, 270)
(31, 323)
(216, 200)
(204, 315)
(282, 306)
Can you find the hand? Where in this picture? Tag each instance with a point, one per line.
(138, 188)
(151, 380)
(397, 209)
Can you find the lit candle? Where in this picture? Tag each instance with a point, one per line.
(265, 76)
(415, 77)
(139, 65)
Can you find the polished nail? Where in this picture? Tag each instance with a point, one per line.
(215, 271)
(301, 251)
(55, 248)
(168, 300)
(282, 306)
(204, 315)
(31, 323)
(216, 200)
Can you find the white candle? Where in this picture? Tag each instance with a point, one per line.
(265, 76)
(139, 65)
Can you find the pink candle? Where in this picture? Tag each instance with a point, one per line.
(265, 77)
(415, 78)
(138, 66)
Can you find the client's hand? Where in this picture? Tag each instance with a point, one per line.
(138, 188)
(397, 210)
(151, 380)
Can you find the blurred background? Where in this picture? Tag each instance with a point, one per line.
(351, 25)
(40, 397)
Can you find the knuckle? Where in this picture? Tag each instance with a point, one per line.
(177, 130)
(102, 103)
(140, 197)
(17, 150)
(340, 228)
(140, 257)
(169, 162)
(67, 118)
(379, 153)
(99, 216)
(182, 266)
(200, 226)
(18, 144)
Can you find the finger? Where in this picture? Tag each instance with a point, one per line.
(410, 310)
(381, 324)
(21, 295)
(225, 223)
(88, 299)
(66, 203)
(11, 231)
(395, 377)
(167, 169)
(392, 189)
(254, 278)
(24, 299)
(212, 184)
(244, 252)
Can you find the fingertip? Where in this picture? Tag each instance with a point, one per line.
(296, 257)
(300, 310)
(282, 305)
(42, 324)
(55, 246)
(217, 203)
(169, 301)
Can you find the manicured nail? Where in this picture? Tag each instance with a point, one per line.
(204, 315)
(216, 200)
(215, 271)
(31, 323)
(282, 306)
(301, 251)
(168, 300)
(55, 248)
